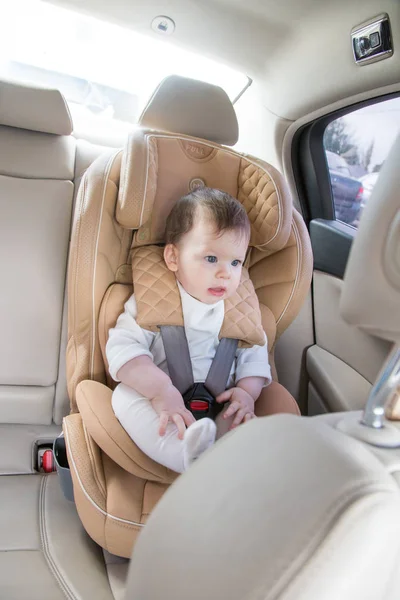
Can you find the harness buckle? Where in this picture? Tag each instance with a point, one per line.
(201, 402)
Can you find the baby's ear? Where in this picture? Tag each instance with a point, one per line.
(171, 256)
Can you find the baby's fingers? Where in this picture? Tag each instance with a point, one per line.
(226, 395)
(180, 423)
(232, 408)
(249, 416)
(164, 418)
(238, 418)
(188, 418)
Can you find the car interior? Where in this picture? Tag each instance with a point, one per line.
(109, 112)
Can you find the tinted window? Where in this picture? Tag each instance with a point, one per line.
(356, 147)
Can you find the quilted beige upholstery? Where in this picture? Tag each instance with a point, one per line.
(159, 168)
(282, 279)
(158, 300)
(262, 199)
(242, 319)
(156, 291)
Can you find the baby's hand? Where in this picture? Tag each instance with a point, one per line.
(241, 403)
(169, 406)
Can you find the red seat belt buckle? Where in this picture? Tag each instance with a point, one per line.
(48, 461)
(199, 405)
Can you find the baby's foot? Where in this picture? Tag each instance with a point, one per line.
(198, 437)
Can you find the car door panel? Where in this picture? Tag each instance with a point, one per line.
(334, 385)
(344, 361)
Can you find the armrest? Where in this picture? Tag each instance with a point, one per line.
(94, 403)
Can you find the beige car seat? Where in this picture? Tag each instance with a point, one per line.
(321, 520)
(121, 208)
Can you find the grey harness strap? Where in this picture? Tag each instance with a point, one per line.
(180, 366)
(221, 365)
(178, 357)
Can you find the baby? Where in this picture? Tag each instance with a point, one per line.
(207, 235)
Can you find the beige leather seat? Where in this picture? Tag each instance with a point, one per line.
(122, 205)
(37, 156)
(41, 543)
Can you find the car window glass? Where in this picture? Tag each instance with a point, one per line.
(106, 72)
(356, 147)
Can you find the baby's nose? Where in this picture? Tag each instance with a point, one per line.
(224, 272)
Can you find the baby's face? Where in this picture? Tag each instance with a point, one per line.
(207, 264)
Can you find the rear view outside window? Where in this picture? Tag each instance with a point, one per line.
(356, 147)
(106, 72)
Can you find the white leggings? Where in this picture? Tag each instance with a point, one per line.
(141, 422)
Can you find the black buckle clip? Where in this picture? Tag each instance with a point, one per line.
(201, 402)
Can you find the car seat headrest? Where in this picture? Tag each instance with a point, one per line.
(194, 108)
(34, 108)
(158, 168)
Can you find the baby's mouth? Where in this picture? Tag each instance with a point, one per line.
(217, 291)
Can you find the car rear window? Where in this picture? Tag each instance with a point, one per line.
(106, 72)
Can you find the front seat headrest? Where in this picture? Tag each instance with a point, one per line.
(371, 292)
(191, 107)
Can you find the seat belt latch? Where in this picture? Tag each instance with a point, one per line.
(201, 402)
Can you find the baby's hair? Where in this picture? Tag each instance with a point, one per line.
(225, 211)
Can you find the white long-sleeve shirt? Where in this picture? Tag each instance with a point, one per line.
(127, 340)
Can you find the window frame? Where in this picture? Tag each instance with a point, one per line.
(310, 165)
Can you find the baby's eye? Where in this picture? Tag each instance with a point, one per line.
(211, 259)
(236, 263)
